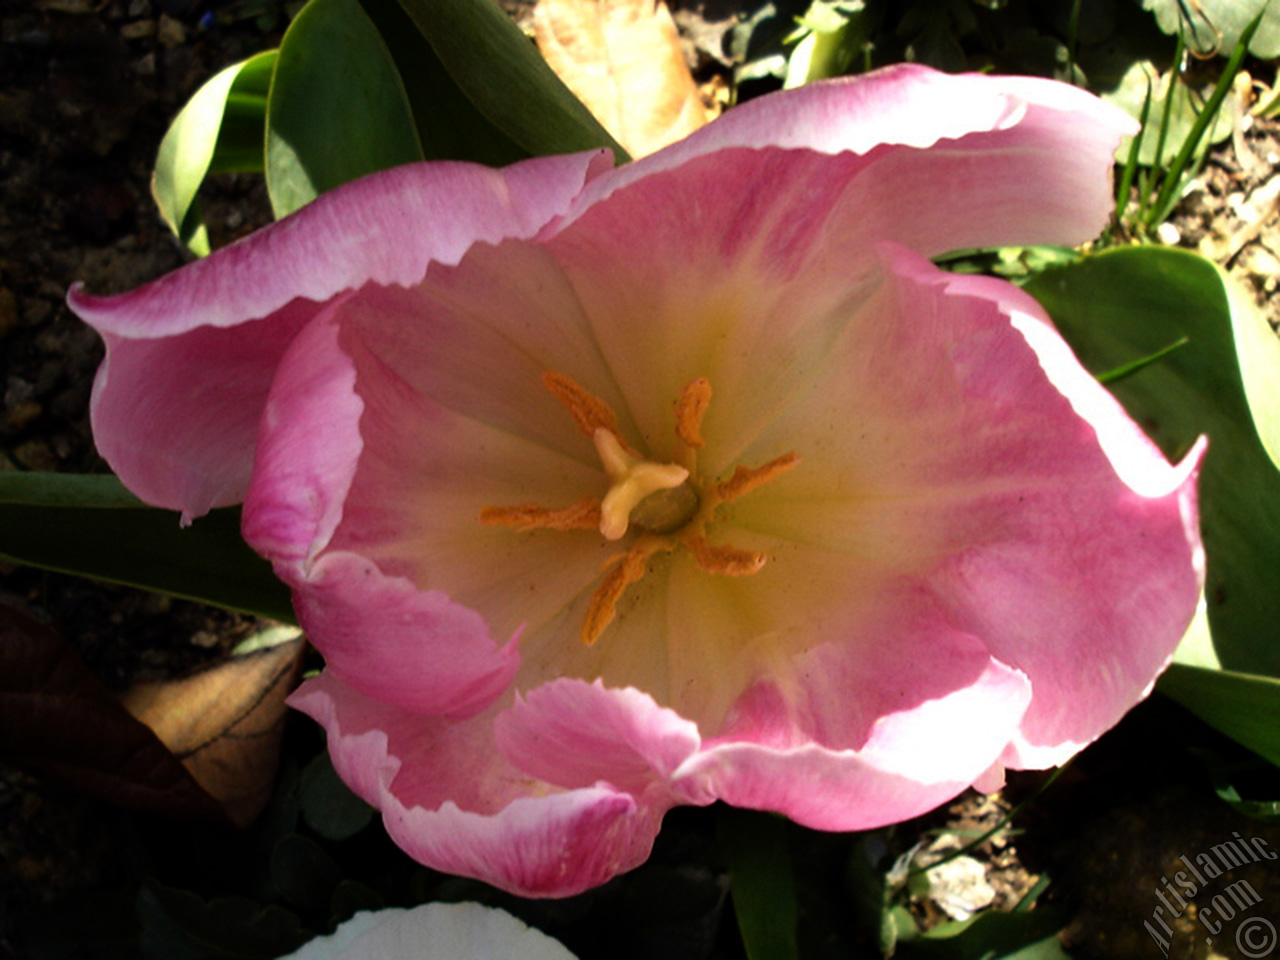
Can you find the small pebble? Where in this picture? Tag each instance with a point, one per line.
(205, 639)
(21, 414)
(35, 455)
(1169, 234)
(171, 33)
(138, 29)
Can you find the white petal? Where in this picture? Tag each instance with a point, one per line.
(433, 931)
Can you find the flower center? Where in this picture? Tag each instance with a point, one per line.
(665, 502)
(656, 496)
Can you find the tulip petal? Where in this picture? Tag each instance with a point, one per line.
(452, 801)
(380, 633)
(576, 734)
(957, 161)
(785, 245)
(914, 758)
(1039, 514)
(433, 931)
(385, 228)
(177, 437)
(893, 711)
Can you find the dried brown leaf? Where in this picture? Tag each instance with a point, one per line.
(60, 723)
(623, 59)
(225, 723)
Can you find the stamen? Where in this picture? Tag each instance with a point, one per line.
(589, 412)
(724, 560)
(691, 407)
(582, 515)
(627, 568)
(746, 479)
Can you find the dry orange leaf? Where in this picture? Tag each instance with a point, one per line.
(225, 723)
(622, 58)
(60, 723)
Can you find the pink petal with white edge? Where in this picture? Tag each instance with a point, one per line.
(1046, 146)
(785, 248)
(1068, 545)
(176, 418)
(899, 715)
(309, 442)
(897, 718)
(385, 228)
(416, 649)
(450, 799)
(379, 633)
(577, 734)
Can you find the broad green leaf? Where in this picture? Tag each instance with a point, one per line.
(91, 526)
(501, 73)
(449, 125)
(760, 881)
(242, 140)
(337, 109)
(1129, 303)
(220, 129)
(1215, 26)
(1244, 706)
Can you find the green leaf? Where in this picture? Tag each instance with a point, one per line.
(871, 894)
(220, 129)
(337, 109)
(328, 805)
(449, 125)
(1032, 935)
(1215, 26)
(1246, 707)
(303, 873)
(1129, 303)
(1268, 810)
(760, 881)
(1128, 369)
(1181, 108)
(91, 526)
(830, 34)
(499, 70)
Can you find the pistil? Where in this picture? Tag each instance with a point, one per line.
(666, 501)
(632, 481)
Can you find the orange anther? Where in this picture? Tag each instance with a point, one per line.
(691, 407)
(746, 479)
(626, 569)
(724, 560)
(582, 515)
(589, 412)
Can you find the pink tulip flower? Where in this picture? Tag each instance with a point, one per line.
(606, 490)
